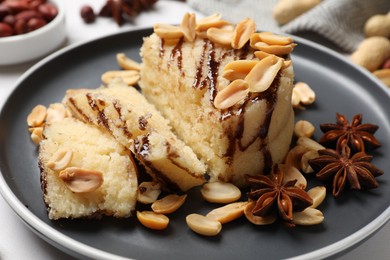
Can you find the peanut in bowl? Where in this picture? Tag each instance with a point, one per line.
(19, 48)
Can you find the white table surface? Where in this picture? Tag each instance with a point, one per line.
(17, 241)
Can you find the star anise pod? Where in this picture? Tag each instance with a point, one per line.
(272, 194)
(118, 9)
(356, 170)
(359, 137)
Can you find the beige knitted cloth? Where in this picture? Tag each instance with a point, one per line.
(339, 21)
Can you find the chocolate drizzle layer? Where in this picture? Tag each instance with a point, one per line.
(43, 176)
(213, 63)
(244, 51)
(162, 51)
(117, 107)
(198, 82)
(235, 135)
(270, 96)
(177, 52)
(102, 119)
(78, 111)
(141, 151)
(142, 146)
(142, 123)
(212, 75)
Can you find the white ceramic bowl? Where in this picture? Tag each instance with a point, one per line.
(36, 44)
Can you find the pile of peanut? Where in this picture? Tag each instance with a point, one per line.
(229, 195)
(23, 16)
(245, 76)
(218, 193)
(226, 194)
(41, 115)
(160, 207)
(373, 53)
(210, 224)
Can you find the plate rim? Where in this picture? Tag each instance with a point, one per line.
(71, 246)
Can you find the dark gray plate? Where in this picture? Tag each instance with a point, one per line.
(340, 87)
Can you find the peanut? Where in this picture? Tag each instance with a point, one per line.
(148, 192)
(56, 112)
(386, 64)
(286, 64)
(238, 69)
(287, 10)
(60, 159)
(188, 25)
(220, 36)
(214, 20)
(306, 94)
(37, 116)
(309, 143)
(383, 75)
(372, 52)
(308, 217)
(126, 63)
(153, 220)
(130, 77)
(294, 156)
(377, 25)
(220, 192)
(296, 99)
(243, 32)
(232, 94)
(36, 134)
(317, 194)
(81, 181)
(228, 212)
(278, 50)
(262, 55)
(305, 166)
(263, 74)
(203, 225)
(167, 31)
(304, 128)
(257, 220)
(273, 39)
(168, 204)
(292, 173)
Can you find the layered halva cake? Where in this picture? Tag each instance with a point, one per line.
(85, 172)
(226, 91)
(135, 123)
(214, 104)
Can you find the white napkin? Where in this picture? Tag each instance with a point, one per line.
(339, 21)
